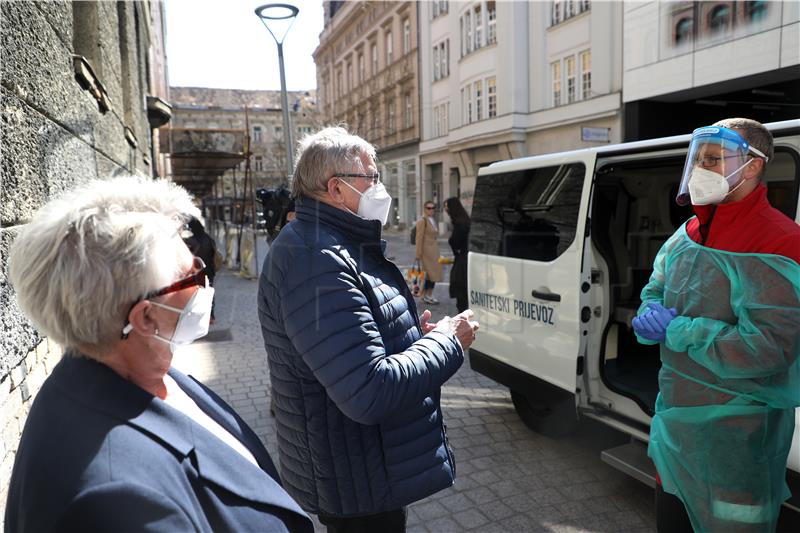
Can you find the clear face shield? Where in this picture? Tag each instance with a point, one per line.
(714, 165)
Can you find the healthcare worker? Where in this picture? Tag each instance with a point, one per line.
(724, 303)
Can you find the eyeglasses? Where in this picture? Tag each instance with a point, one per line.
(431, 207)
(199, 279)
(374, 177)
(710, 161)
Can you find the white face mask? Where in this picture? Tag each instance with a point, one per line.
(374, 204)
(193, 321)
(707, 187)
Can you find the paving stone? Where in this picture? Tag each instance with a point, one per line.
(470, 519)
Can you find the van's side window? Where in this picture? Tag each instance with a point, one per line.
(528, 214)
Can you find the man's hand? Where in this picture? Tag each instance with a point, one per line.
(652, 325)
(427, 327)
(461, 326)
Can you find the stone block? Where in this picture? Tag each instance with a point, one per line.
(37, 64)
(59, 15)
(39, 162)
(10, 405)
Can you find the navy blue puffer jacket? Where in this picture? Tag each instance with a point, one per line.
(356, 387)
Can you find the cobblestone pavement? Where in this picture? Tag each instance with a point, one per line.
(509, 478)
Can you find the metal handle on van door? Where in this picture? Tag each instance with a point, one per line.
(549, 296)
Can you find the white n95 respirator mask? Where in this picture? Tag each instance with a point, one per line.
(193, 321)
(374, 204)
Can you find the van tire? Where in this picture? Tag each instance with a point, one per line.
(552, 416)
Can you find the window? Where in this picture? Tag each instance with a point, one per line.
(478, 89)
(408, 111)
(491, 97)
(468, 31)
(278, 130)
(259, 163)
(435, 7)
(478, 27)
(350, 84)
(491, 32)
(443, 7)
(444, 56)
(720, 19)
(388, 48)
(436, 123)
(339, 87)
(303, 130)
(562, 10)
(556, 70)
(362, 71)
(569, 67)
(755, 11)
(683, 30)
(390, 126)
(586, 74)
(406, 36)
(256, 134)
(374, 53)
(528, 214)
(441, 60)
(466, 97)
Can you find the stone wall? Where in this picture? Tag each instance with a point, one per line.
(61, 126)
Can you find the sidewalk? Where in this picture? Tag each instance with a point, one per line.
(509, 478)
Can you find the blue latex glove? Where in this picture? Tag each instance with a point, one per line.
(652, 325)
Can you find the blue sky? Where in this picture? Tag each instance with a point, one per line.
(222, 43)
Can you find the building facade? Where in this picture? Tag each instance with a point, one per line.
(508, 79)
(83, 87)
(259, 115)
(688, 64)
(367, 78)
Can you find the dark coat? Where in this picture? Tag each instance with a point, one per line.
(100, 454)
(459, 243)
(356, 386)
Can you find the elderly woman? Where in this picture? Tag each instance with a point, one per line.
(116, 439)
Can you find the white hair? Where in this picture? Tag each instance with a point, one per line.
(329, 151)
(86, 258)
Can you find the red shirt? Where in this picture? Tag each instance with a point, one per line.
(750, 225)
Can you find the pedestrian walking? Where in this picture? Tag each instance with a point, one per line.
(427, 252)
(356, 375)
(459, 243)
(116, 439)
(202, 245)
(724, 303)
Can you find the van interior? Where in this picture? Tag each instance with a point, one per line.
(633, 214)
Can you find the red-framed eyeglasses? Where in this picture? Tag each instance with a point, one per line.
(198, 278)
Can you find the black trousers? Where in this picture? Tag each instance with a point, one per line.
(388, 522)
(671, 515)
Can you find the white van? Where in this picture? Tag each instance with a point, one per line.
(560, 248)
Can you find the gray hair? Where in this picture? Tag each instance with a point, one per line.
(329, 151)
(753, 132)
(85, 258)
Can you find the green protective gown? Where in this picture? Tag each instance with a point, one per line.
(729, 382)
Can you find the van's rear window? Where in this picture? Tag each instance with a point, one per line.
(528, 214)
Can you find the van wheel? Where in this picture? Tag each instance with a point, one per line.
(552, 417)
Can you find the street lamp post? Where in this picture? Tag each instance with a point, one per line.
(280, 15)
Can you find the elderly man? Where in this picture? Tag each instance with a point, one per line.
(356, 375)
(116, 440)
(724, 302)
